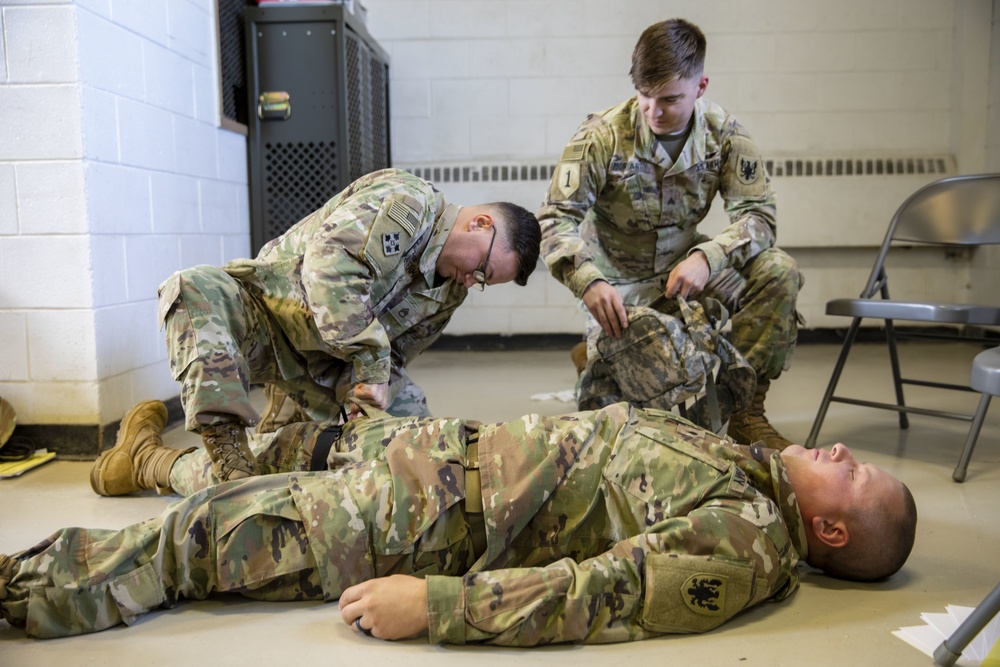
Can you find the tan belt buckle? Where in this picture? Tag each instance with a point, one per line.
(473, 480)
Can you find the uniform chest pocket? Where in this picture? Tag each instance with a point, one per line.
(644, 194)
(632, 252)
(401, 316)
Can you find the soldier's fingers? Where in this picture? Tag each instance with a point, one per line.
(353, 412)
(621, 314)
(602, 318)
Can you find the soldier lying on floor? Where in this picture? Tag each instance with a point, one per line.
(612, 525)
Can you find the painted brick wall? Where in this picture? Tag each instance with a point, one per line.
(113, 174)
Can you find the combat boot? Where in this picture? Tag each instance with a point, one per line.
(229, 450)
(751, 425)
(579, 356)
(139, 459)
(280, 410)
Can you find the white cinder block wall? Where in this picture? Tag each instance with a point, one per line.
(113, 174)
(481, 82)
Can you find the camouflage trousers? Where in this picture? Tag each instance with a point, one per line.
(247, 537)
(221, 339)
(761, 299)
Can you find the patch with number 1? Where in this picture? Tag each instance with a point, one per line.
(568, 178)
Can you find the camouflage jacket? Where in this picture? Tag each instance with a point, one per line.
(356, 280)
(613, 525)
(618, 209)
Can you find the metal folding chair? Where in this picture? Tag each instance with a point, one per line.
(962, 211)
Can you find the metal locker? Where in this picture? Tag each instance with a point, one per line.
(318, 116)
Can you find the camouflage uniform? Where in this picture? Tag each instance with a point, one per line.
(613, 525)
(349, 294)
(619, 210)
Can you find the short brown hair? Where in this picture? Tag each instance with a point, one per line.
(881, 540)
(672, 49)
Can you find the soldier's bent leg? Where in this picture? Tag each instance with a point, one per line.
(246, 538)
(217, 341)
(280, 410)
(762, 300)
(765, 328)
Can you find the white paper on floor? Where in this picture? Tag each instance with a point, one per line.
(941, 626)
(566, 396)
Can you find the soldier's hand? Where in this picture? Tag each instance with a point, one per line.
(605, 303)
(372, 394)
(689, 277)
(391, 608)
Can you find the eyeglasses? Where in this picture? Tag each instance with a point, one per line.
(480, 273)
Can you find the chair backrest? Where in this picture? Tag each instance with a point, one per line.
(961, 210)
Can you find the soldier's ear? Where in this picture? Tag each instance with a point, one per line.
(480, 221)
(832, 533)
(702, 85)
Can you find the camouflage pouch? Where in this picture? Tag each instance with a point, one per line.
(664, 360)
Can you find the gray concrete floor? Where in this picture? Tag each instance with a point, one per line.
(826, 622)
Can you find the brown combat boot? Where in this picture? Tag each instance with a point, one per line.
(138, 460)
(229, 450)
(279, 411)
(750, 425)
(579, 356)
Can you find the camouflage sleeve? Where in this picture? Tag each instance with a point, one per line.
(745, 187)
(338, 271)
(576, 182)
(691, 575)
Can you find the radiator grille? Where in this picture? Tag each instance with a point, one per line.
(786, 168)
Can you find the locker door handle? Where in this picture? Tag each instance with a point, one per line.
(274, 105)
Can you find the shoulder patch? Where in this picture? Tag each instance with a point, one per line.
(693, 593)
(389, 235)
(743, 169)
(748, 169)
(567, 179)
(403, 214)
(576, 151)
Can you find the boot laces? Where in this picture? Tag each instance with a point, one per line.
(224, 441)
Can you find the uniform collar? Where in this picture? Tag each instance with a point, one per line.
(769, 476)
(647, 148)
(439, 234)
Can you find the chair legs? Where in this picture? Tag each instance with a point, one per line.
(890, 339)
(824, 405)
(970, 442)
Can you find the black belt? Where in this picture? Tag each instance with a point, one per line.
(324, 443)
